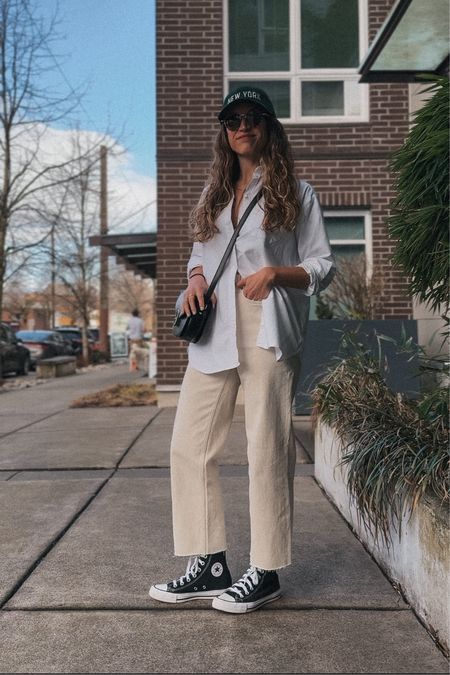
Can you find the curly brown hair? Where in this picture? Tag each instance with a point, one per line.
(282, 202)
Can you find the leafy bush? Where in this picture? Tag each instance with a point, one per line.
(395, 449)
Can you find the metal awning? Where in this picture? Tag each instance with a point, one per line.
(413, 39)
(136, 251)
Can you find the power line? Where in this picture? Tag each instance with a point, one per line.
(135, 213)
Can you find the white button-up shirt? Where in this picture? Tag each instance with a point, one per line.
(285, 311)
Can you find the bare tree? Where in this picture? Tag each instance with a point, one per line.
(72, 211)
(128, 292)
(27, 108)
(17, 299)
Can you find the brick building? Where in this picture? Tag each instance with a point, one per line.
(306, 54)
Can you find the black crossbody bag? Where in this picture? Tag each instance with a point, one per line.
(190, 328)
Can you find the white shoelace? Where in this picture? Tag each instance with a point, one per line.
(192, 569)
(247, 582)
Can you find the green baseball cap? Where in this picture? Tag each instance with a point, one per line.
(247, 94)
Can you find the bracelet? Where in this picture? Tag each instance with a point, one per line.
(197, 274)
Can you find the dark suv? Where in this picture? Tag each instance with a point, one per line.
(72, 334)
(14, 356)
(44, 344)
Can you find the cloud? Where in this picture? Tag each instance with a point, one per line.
(131, 195)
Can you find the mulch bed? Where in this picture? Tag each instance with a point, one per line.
(119, 395)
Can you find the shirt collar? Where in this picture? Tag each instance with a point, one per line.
(256, 176)
(257, 172)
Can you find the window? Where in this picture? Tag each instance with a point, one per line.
(350, 235)
(278, 92)
(348, 232)
(305, 53)
(259, 35)
(8, 335)
(329, 33)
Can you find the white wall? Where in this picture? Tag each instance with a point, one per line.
(419, 562)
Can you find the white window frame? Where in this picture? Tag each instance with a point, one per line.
(367, 241)
(296, 75)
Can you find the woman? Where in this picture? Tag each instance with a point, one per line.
(254, 339)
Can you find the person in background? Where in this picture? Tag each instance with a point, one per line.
(135, 330)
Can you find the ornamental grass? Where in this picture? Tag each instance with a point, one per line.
(395, 448)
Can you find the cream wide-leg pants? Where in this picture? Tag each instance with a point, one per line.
(203, 419)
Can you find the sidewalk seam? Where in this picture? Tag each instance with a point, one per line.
(25, 426)
(144, 428)
(50, 546)
(74, 518)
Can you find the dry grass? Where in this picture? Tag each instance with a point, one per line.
(353, 294)
(119, 395)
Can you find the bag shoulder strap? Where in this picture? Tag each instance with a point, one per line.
(231, 243)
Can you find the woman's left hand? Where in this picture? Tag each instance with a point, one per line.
(258, 286)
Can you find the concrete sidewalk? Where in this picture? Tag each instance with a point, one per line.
(86, 528)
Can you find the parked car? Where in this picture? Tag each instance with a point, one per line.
(44, 344)
(73, 335)
(14, 356)
(94, 334)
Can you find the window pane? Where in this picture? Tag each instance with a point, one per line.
(329, 34)
(322, 98)
(259, 35)
(278, 91)
(343, 252)
(345, 227)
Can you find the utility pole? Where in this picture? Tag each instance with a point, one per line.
(104, 309)
(53, 277)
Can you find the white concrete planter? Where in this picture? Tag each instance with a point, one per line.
(419, 562)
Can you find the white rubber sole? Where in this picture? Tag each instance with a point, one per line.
(243, 607)
(165, 596)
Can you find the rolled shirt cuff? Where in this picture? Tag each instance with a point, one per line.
(313, 279)
(192, 265)
(320, 275)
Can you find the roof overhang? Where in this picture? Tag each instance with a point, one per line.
(136, 251)
(413, 39)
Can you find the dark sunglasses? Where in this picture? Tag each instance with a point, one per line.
(252, 119)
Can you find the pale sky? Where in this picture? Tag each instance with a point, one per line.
(110, 44)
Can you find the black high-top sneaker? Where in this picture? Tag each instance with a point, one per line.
(253, 589)
(205, 577)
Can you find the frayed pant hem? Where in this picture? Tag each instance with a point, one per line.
(271, 568)
(191, 554)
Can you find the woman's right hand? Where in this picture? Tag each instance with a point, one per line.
(197, 288)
